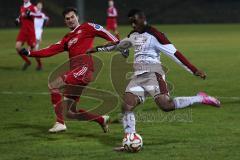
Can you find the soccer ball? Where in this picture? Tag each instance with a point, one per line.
(132, 142)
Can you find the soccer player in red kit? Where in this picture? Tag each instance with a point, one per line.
(27, 31)
(112, 18)
(77, 42)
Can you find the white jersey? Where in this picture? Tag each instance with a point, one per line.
(147, 48)
(38, 24)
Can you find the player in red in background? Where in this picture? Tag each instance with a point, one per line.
(77, 42)
(27, 31)
(112, 18)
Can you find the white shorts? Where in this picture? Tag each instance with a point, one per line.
(38, 33)
(147, 84)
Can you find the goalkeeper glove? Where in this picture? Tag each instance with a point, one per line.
(25, 52)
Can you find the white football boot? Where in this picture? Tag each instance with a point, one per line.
(58, 127)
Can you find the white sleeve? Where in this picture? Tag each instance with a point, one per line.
(170, 50)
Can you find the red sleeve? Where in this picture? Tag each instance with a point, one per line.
(185, 61)
(35, 15)
(49, 51)
(162, 39)
(99, 31)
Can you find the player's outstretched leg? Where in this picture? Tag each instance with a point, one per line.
(103, 121)
(167, 104)
(209, 100)
(200, 98)
(70, 109)
(128, 120)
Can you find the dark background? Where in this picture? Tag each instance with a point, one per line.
(157, 11)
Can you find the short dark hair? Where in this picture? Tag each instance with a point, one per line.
(133, 12)
(69, 9)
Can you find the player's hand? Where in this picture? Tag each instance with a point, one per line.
(28, 13)
(201, 74)
(17, 21)
(125, 53)
(24, 51)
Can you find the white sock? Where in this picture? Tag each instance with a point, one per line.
(37, 46)
(129, 122)
(182, 102)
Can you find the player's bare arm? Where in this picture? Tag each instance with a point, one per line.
(111, 47)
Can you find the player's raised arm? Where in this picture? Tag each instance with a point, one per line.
(45, 52)
(103, 33)
(98, 30)
(166, 47)
(33, 13)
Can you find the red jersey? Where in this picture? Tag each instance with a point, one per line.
(27, 23)
(27, 31)
(112, 12)
(77, 42)
(112, 18)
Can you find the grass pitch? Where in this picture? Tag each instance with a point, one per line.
(200, 132)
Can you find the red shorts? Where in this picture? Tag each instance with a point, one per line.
(111, 24)
(27, 36)
(75, 80)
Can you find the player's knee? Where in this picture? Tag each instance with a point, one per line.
(18, 46)
(164, 103)
(126, 107)
(166, 108)
(130, 101)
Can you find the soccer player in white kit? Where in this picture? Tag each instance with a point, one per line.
(149, 77)
(39, 24)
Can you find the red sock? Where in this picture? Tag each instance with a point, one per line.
(56, 99)
(90, 117)
(39, 63)
(59, 113)
(25, 58)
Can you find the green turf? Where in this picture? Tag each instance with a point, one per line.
(201, 132)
